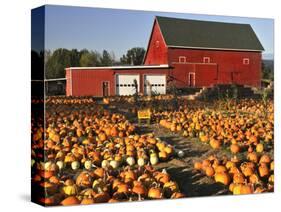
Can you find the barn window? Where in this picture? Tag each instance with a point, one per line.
(246, 61)
(182, 59)
(206, 60)
(157, 43)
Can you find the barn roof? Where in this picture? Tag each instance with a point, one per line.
(119, 67)
(184, 33)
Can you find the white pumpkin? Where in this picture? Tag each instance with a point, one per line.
(180, 154)
(75, 165)
(130, 161)
(114, 164)
(141, 162)
(60, 164)
(154, 159)
(88, 164)
(47, 165)
(105, 164)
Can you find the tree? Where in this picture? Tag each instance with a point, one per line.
(106, 59)
(134, 56)
(89, 59)
(267, 72)
(55, 66)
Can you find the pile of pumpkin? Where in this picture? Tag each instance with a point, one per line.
(102, 146)
(101, 185)
(237, 130)
(68, 100)
(254, 175)
(131, 99)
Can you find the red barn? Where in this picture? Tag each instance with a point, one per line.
(189, 53)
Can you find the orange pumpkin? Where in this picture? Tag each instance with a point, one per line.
(72, 200)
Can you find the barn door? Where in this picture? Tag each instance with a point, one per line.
(191, 79)
(105, 88)
(236, 78)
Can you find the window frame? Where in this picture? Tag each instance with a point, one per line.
(246, 61)
(182, 57)
(206, 60)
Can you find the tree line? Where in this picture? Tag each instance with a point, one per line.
(56, 61)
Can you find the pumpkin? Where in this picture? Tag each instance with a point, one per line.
(234, 148)
(87, 201)
(242, 189)
(197, 166)
(114, 164)
(60, 164)
(48, 201)
(72, 200)
(84, 179)
(54, 180)
(101, 197)
(271, 178)
(223, 178)
(141, 162)
(130, 161)
(99, 172)
(155, 193)
(100, 186)
(163, 156)
(88, 164)
(153, 159)
(209, 171)
(220, 169)
(272, 166)
(259, 148)
(230, 164)
(70, 188)
(177, 195)
(102, 137)
(254, 179)
(238, 178)
(75, 165)
(263, 170)
(140, 190)
(215, 144)
(170, 188)
(162, 177)
(105, 164)
(265, 159)
(252, 156)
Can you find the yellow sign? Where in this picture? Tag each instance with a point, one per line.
(144, 114)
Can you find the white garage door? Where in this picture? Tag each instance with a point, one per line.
(157, 83)
(125, 84)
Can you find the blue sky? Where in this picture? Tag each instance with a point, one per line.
(118, 30)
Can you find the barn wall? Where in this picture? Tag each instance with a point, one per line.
(205, 74)
(68, 82)
(230, 65)
(89, 82)
(156, 53)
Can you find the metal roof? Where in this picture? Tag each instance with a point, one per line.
(185, 33)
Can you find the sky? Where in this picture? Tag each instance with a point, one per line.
(119, 30)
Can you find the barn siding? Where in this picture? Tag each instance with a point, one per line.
(89, 82)
(156, 55)
(229, 64)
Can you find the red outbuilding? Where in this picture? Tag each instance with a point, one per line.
(189, 53)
